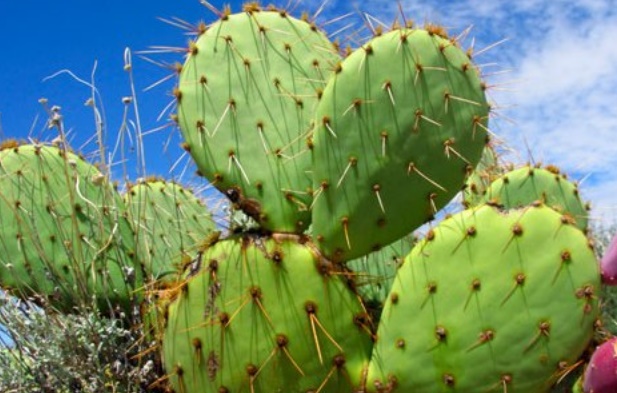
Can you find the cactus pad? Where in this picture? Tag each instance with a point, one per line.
(245, 103)
(374, 273)
(489, 301)
(171, 221)
(527, 184)
(485, 173)
(265, 315)
(62, 230)
(397, 129)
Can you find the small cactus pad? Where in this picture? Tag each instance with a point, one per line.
(578, 385)
(246, 98)
(63, 234)
(170, 221)
(397, 129)
(486, 172)
(488, 302)
(374, 274)
(525, 185)
(262, 315)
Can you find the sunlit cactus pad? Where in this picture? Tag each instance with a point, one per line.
(489, 301)
(527, 184)
(397, 129)
(63, 233)
(263, 315)
(170, 221)
(246, 99)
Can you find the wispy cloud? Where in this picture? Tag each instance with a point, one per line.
(561, 90)
(566, 97)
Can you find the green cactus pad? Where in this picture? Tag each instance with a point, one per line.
(489, 302)
(246, 98)
(487, 171)
(528, 184)
(265, 315)
(397, 130)
(374, 273)
(63, 234)
(171, 222)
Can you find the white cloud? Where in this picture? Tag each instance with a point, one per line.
(566, 100)
(571, 59)
(562, 90)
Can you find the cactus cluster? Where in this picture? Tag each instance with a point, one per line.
(337, 156)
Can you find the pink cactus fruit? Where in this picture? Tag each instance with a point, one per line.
(609, 264)
(601, 373)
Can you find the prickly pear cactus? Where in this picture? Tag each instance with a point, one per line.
(396, 130)
(63, 233)
(485, 173)
(489, 301)
(170, 221)
(245, 103)
(265, 315)
(364, 150)
(527, 184)
(374, 274)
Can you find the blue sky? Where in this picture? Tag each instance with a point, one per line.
(555, 78)
(42, 38)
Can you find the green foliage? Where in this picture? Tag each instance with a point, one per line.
(83, 352)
